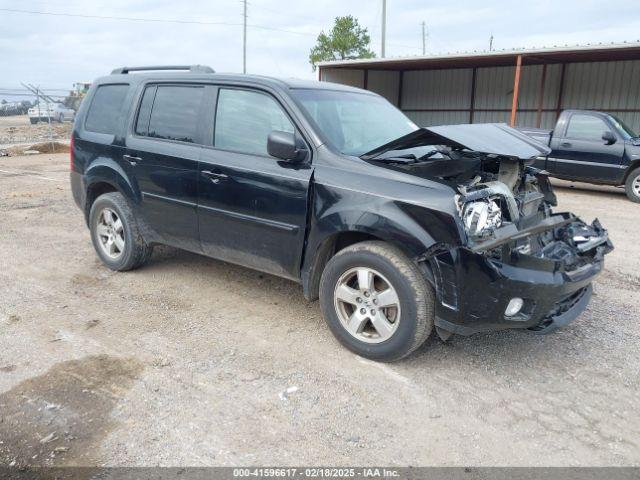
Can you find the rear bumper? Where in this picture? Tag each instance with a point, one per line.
(78, 189)
(474, 289)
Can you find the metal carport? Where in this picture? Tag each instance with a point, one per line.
(521, 87)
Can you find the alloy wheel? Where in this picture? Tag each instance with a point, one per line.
(367, 305)
(110, 233)
(636, 185)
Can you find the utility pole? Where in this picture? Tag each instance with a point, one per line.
(384, 27)
(53, 148)
(244, 37)
(424, 38)
(491, 43)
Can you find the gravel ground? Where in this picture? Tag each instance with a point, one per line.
(16, 130)
(191, 361)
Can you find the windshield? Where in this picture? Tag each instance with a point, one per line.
(355, 123)
(624, 130)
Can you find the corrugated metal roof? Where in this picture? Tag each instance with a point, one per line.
(555, 54)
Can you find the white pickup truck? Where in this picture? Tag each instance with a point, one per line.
(54, 111)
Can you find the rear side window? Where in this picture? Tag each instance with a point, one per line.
(174, 114)
(105, 112)
(245, 119)
(586, 127)
(142, 122)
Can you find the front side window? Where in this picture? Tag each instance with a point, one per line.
(586, 127)
(623, 129)
(106, 110)
(175, 112)
(244, 120)
(355, 123)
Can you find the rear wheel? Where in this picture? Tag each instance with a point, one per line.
(33, 121)
(632, 185)
(115, 233)
(376, 302)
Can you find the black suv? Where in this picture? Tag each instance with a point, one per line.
(397, 229)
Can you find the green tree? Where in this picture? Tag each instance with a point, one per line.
(346, 40)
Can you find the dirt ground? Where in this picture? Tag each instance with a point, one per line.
(191, 361)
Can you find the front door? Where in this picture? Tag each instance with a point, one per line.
(163, 151)
(582, 154)
(252, 208)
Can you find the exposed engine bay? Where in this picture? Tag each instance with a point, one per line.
(508, 203)
(504, 204)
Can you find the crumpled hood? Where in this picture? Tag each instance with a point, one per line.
(488, 138)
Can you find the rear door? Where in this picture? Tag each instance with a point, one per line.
(163, 150)
(252, 207)
(580, 153)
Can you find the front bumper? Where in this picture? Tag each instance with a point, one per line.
(474, 288)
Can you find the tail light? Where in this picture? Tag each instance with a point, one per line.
(72, 162)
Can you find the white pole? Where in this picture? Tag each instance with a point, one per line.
(244, 38)
(384, 27)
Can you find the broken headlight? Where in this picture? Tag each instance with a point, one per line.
(481, 217)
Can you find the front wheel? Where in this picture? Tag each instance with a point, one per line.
(115, 233)
(632, 186)
(376, 302)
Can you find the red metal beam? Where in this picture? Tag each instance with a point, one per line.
(541, 96)
(560, 91)
(516, 91)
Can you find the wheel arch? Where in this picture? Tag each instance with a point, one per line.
(633, 166)
(103, 177)
(404, 233)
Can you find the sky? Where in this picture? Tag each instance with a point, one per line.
(54, 51)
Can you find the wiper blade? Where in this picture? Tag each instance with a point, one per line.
(405, 159)
(410, 158)
(431, 153)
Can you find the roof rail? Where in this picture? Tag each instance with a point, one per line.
(189, 68)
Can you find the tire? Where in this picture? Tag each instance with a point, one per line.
(632, 185)
(33, 121)
(131, 251)
(410, 322)
(61, 118)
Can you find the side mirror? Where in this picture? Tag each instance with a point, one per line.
(283, 145)
(609, 137)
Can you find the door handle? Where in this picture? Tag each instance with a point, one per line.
(214, 177)
(131, 159)
(566, 144)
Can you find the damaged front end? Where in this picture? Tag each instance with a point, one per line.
(535, 266)
(519, 264)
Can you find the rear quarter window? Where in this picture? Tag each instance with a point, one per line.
(106, 111)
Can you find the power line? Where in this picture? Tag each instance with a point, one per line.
(18, 89)
(151, 20)
(129, 19)
(182, 22)
(298, 15)
(13, 94)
